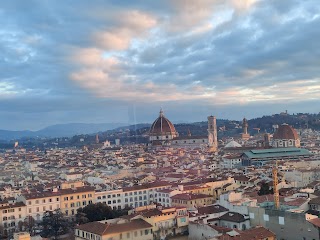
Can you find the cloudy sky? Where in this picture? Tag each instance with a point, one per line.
(120, 61)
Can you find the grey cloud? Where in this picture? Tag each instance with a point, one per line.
(274, 42)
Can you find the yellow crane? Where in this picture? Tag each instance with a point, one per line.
(275, 186)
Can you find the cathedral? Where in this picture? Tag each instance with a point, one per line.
(163, 133)
(285, 136)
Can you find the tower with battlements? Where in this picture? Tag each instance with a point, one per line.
(212, 133)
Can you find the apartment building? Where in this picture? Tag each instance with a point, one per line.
(165, 220)
(135, 196)
(190, 200)
(11, 213)
(38, 203)
(74, 198)
(136, 229)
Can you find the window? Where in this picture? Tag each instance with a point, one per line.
(43, 201)
(37, 201)
(128, 235)
(50, 200)
(146, 232)
(71, 197)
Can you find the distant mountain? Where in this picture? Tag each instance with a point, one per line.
(10, 135)
(60, 130)
(298, 120)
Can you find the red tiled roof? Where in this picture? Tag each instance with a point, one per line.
(258, 233)
(190, 196)
(105, 229)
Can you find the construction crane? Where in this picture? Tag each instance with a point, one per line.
(275, 186)
(258, 129)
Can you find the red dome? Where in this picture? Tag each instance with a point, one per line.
(286, 132)
(162, 126)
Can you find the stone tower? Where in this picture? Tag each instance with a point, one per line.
(212, 133)
(245, 135)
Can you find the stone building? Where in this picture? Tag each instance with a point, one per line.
(285, 136)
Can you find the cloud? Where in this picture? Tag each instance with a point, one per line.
(131, 25)
(210, 54)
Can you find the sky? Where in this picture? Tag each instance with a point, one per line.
(92, 61)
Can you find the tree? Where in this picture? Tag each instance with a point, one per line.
(29, 225)
(54, 224)
(95, 212)
(81, 217)
(265, 189)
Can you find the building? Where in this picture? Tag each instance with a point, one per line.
(11, 213)
(135, 229)
(285, 137)
(191, 201)
(74, 198)
(258, 233)
(261, 156)
(166, 221)
(38, 203)
(231, 161)
(163, 133)
(135, 196)
(245, 135)
(21, 236)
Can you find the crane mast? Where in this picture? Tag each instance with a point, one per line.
(275, 186)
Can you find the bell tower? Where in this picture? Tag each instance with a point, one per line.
(212, 133)
(245, 135)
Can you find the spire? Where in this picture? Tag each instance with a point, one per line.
(161, 112)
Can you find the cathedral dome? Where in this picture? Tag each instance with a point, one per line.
(162, 126)
(232, 144)
(286, 132)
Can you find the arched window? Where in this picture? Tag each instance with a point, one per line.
(244, 227)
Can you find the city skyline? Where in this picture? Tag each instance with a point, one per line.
(100, 62)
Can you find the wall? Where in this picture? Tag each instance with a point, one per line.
(294, 227)
(199, 231)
